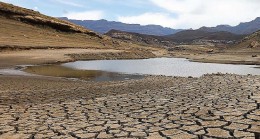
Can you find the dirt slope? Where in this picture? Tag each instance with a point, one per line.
(24, 28)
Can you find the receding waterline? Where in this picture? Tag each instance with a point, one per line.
(92, 75)
(162, 66)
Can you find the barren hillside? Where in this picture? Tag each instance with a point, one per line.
(251, 41)
(25, 28)
(249, 44)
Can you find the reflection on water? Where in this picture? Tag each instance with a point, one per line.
(93, 75)
(114, 70)
(162, 66)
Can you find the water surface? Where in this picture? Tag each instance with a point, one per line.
(162, 66)
(92, 75)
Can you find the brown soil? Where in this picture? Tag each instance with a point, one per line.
(39, 56)
(219, 54)
(212, 106)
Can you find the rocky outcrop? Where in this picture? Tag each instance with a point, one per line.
(254, 44)
(251, 41)
(38, 19)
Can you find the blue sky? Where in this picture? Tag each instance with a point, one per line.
(168, 13)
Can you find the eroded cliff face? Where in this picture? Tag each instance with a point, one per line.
(37, 19)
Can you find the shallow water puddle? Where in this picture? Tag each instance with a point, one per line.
(93, 75)
(118, 70)
(163, 66)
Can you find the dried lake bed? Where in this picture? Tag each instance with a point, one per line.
(208, 106)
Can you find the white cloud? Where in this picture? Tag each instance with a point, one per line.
(148, 18)
(197, 13)
(86, 15)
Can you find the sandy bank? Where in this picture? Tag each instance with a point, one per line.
(45, 56)
(222, 58)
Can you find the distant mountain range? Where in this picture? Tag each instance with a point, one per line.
(103, 26)
(242, 28)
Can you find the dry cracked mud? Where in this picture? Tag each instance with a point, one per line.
(212, 106)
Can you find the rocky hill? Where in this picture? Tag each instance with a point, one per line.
(141, 38)
(189, 36)
(242, 28)
(103, 26)
(252, 41)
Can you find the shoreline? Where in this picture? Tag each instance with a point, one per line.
(59, 56)
(210, 106)
(65, 57)
(216, 58)
(57, 70)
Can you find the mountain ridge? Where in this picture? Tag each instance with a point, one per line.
(103, 26)
(242, 28)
